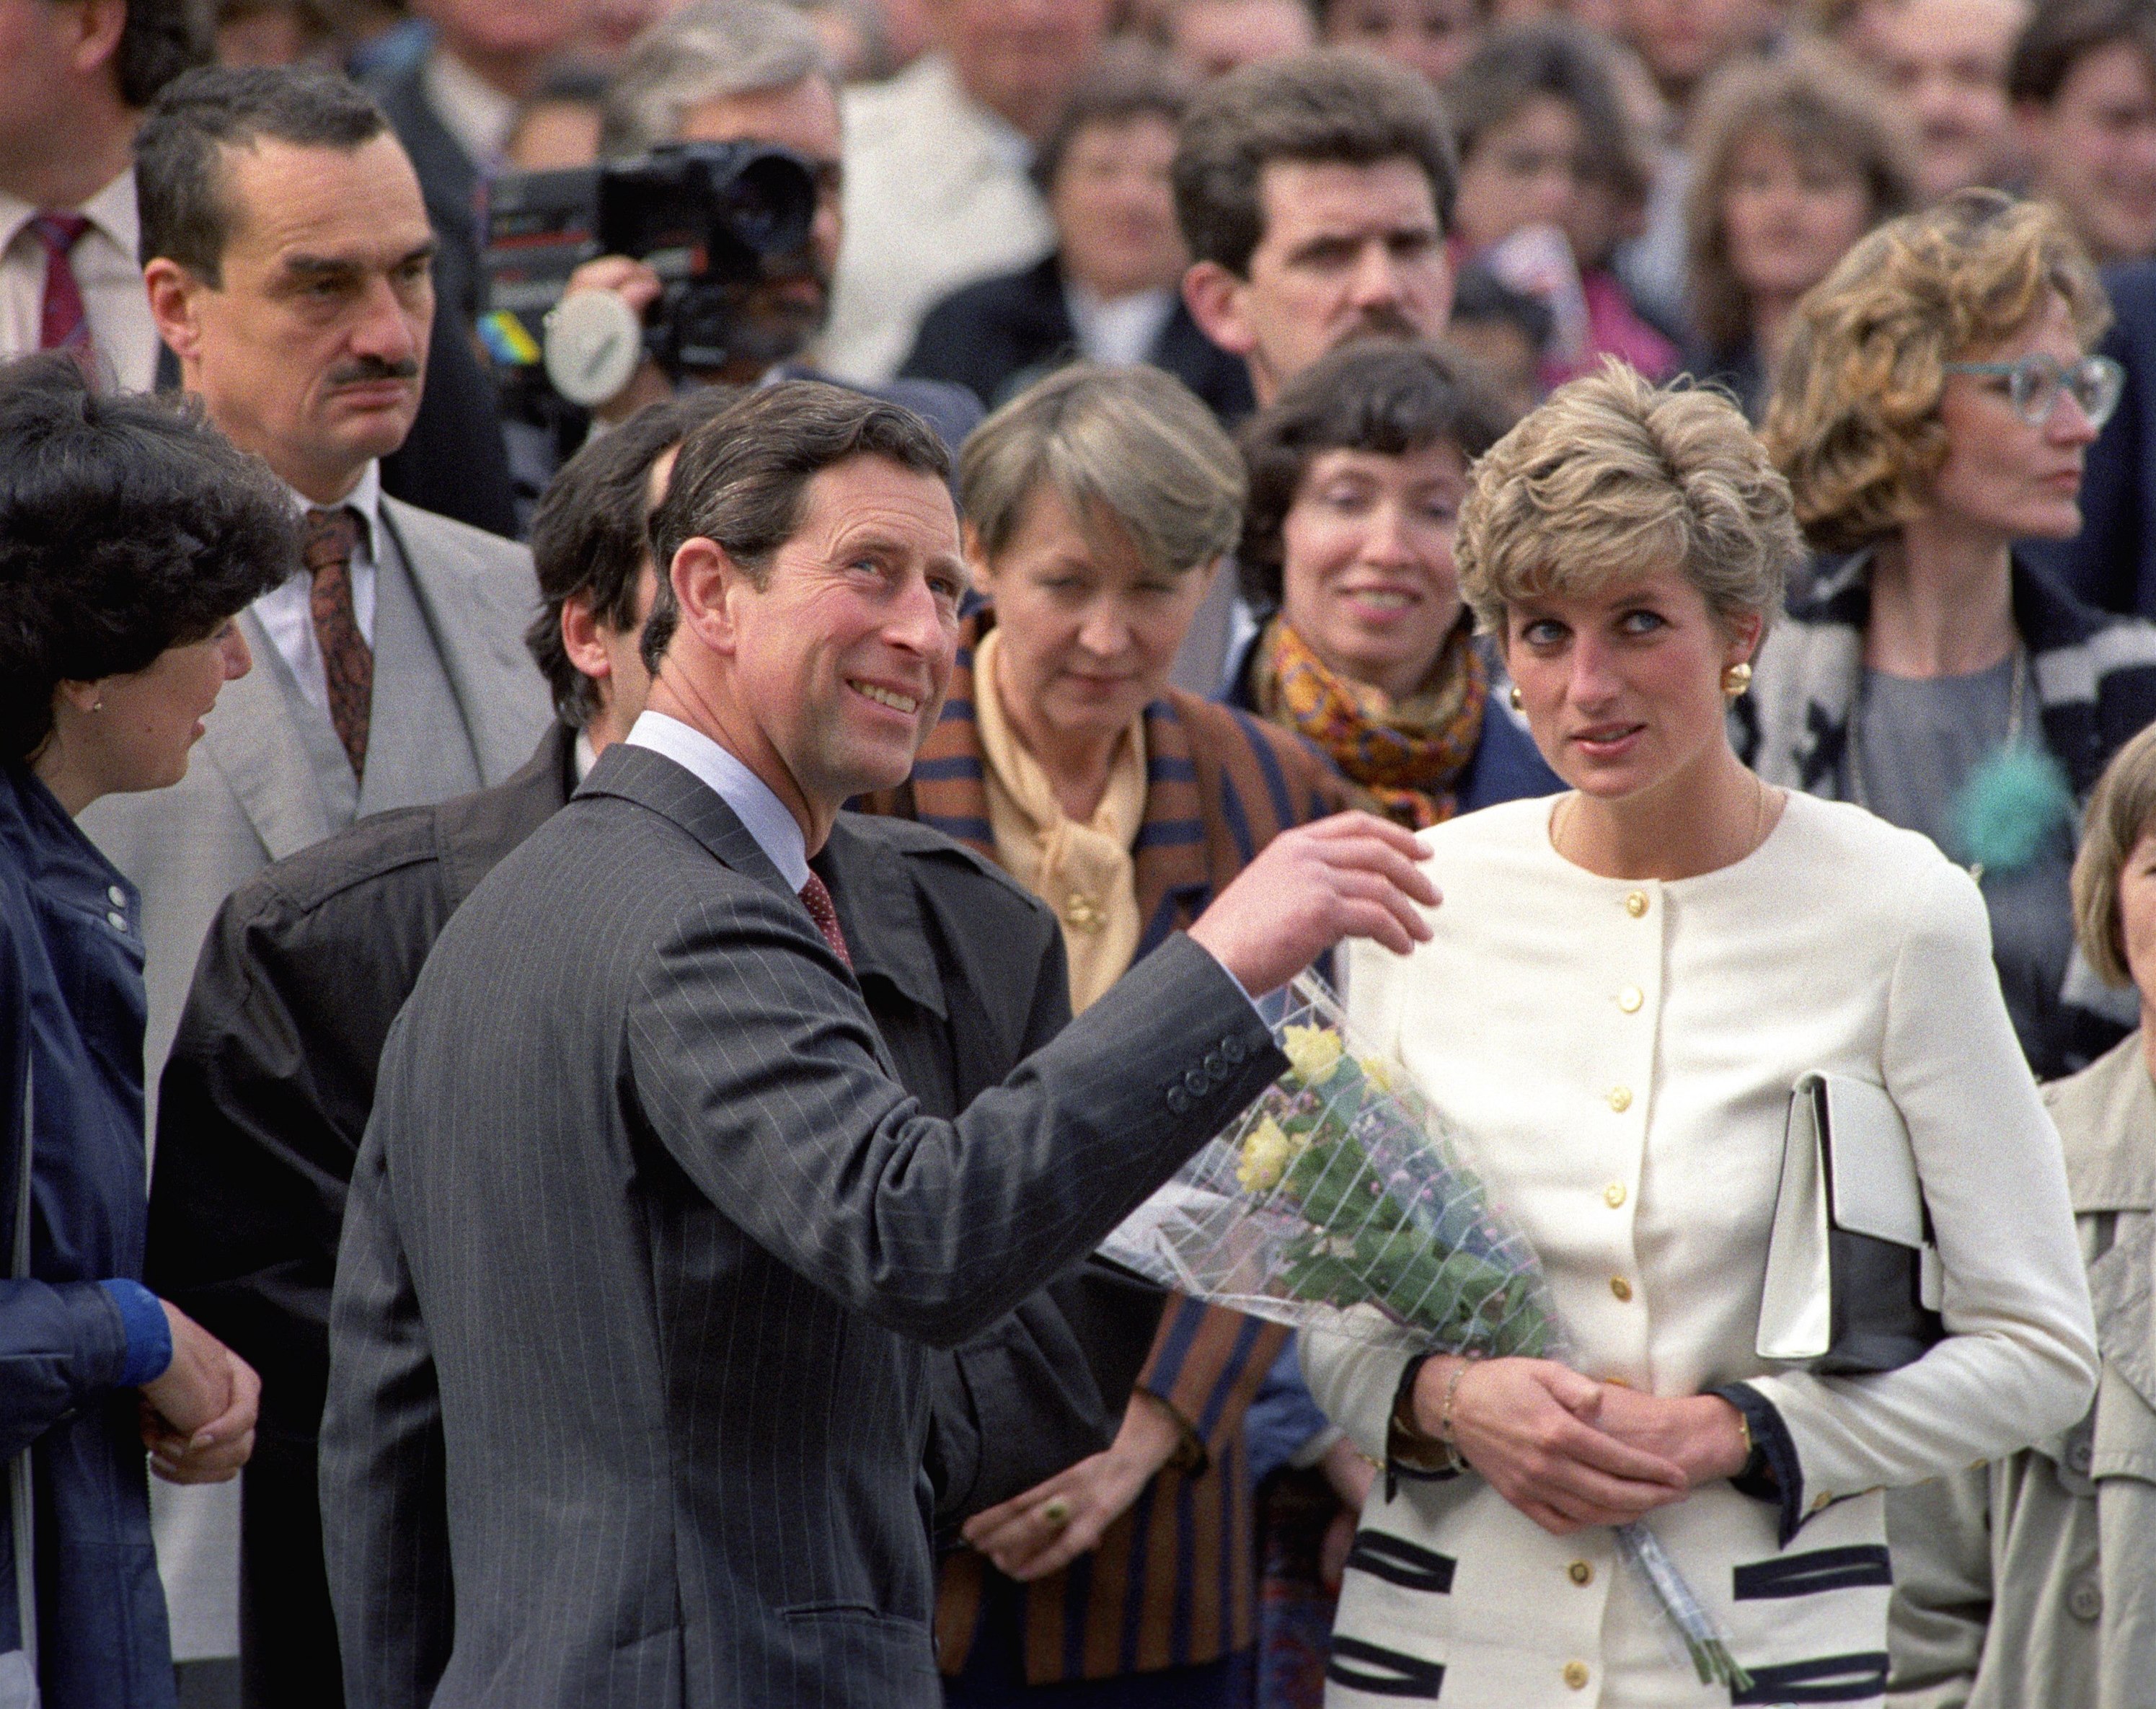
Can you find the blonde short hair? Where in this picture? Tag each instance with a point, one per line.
(1855, 419)
(1132, 448)
(1613, 478)
(2120, 812)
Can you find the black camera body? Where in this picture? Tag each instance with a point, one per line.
(709, 218)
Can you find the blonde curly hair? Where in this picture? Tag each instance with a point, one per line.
(1613, 477)
(1854, 419)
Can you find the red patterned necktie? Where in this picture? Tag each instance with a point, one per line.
(62, 325)
(816, 897)
(326, 546)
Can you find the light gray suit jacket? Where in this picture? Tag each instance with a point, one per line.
(644, 1242)
(457, 705)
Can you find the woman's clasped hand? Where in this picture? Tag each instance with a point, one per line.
(1569, 1451)
(1046, 1528)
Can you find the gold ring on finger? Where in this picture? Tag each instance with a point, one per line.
(1056, 1512)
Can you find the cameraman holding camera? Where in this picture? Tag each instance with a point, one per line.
(744, 71)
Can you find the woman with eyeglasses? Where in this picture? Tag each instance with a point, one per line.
(1934, 408)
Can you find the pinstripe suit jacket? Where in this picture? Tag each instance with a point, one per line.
(639, 1166)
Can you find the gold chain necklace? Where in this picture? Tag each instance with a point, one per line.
(1561, 824)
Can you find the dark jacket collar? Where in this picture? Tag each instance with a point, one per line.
(879, 911)
(50, 852)
(472, 832)
(673, 792)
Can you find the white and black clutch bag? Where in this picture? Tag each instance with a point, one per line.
(1853, 1280)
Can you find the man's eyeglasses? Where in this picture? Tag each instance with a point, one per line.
(2034, 383)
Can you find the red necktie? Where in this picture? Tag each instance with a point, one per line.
(816, 897)
(62, 324)
(326, 546)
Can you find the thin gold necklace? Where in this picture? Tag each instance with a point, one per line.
(1562, 823)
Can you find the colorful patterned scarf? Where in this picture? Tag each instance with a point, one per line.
(1406, 755)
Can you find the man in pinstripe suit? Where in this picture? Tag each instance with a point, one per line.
(645, 1235)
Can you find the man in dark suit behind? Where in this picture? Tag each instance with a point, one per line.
(643, 1217)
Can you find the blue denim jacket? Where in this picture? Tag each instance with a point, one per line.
(78, 1335)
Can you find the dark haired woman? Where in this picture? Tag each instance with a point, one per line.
(1357, 473)
(130, 535)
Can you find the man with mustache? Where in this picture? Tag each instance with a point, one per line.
(1313, 192)
(287, 260)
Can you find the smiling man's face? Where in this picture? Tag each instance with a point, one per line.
(842, 657)
(311, 347)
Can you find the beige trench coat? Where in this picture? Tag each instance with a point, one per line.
(2031, 1583)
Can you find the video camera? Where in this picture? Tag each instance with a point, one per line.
(709, 218)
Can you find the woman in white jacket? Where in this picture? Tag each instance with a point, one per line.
(1621, 992)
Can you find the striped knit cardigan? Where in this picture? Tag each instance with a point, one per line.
(2094, 677)
(1172, 1581)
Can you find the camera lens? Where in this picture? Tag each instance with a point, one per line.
(770, 204)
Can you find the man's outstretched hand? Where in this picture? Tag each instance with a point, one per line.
(1351, 875)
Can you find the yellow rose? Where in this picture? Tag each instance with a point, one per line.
(1312, 1052)
(1265, 1153)
(1376, 1070)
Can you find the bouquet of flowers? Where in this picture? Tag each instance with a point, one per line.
(1339, 1200)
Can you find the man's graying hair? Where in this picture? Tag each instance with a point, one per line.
(704, 52)
(179, 174)
(739, 479)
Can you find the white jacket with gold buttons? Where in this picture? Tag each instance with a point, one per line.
(1622, 1055)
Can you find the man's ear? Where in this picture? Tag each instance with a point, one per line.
(709, 587)
(1214, 297)
(103, 23)
(580, 637)
(175, 305)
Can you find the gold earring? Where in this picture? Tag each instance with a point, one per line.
(1737, 678)
(1515, 697)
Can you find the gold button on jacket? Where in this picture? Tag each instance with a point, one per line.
(1635, 904)
(1612, 1195)
(1621, 1288)
(1580, 1572)
(1575, 1675)
(1629, 1000)
(1620, 1099)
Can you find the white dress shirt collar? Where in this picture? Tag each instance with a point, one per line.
(366, 499)
(106, 272)
(111, 211)
(474, 112)
(1118, 332)
(763, 814)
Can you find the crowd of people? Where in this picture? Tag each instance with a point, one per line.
(589, 962)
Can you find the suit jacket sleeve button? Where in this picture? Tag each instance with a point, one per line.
(1233, 1049)
(1178, 1101)
(1196, 1084)
(1216, 1066)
